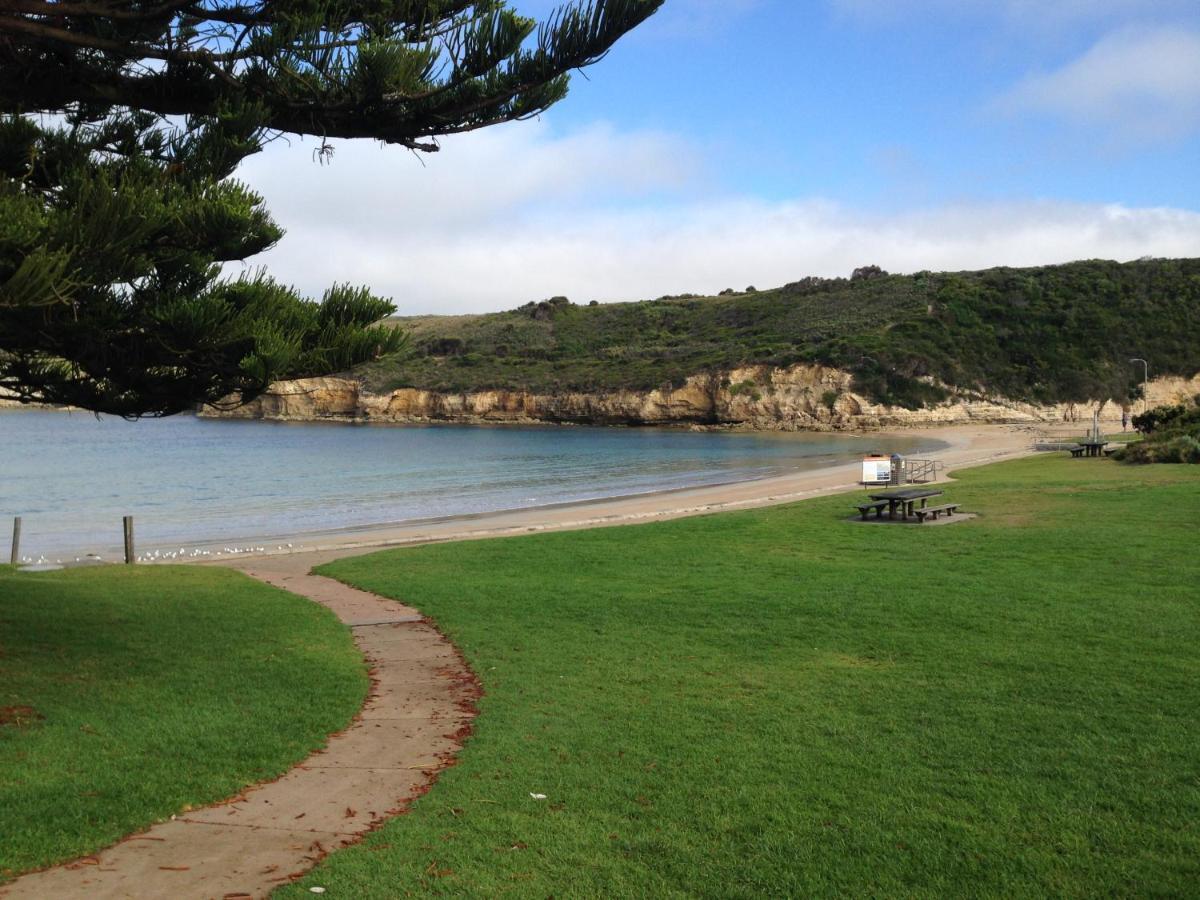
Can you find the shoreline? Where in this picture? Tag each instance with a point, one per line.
(584, 502)
(961, 446)
(967, 446)
(75, 518)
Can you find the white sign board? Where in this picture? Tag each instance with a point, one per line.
(877, 470)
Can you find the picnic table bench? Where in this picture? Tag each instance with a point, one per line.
(935, 511)
(876, 505)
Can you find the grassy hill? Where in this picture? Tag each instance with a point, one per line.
(1046, 334)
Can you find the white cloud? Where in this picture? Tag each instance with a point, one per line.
(473, 176)
(518, 214)
(1144, 84)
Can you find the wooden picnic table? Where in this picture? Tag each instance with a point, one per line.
(906, 499)
(1092, 448)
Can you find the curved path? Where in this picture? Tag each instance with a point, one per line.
(417, 713)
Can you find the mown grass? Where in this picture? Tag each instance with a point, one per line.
(141, 692)
(786, 703)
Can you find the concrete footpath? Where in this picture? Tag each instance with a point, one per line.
(417, 714)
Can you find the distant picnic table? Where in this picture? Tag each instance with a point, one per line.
(906, 499)
(1089, 447)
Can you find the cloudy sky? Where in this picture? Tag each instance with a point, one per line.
(736, 142)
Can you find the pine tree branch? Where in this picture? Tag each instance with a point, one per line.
(303, 74)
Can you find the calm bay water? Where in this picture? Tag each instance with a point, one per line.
(71, 476)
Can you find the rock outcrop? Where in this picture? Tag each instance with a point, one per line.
(795, 398)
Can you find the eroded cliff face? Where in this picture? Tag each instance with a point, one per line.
(800, 398)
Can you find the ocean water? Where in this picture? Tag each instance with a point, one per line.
(72, 476)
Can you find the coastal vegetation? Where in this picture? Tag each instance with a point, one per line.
(1047, 334)
(785, 702)
(1172, 435)
(110, 291)
(129, 694)
(121, 126)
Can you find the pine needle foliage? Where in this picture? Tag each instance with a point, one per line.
(118, 210)
(112, 237)
(402, 71)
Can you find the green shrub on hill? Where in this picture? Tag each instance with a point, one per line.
(1172, 435)
(1165, 418)
(1048, 334)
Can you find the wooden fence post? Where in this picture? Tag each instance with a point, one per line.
(16, 547)
(127, 522)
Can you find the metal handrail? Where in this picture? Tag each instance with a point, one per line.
(922, 471)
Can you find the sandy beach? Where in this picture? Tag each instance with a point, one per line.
(969, 445)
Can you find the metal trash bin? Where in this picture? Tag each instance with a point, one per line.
(898, 470)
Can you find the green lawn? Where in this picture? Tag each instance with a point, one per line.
(129, 694)
(784, 702)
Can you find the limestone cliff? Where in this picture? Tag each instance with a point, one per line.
(800, 398)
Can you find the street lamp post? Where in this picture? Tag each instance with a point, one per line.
(1145, 380)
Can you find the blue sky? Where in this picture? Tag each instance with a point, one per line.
(736, 141)
(876, 101)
